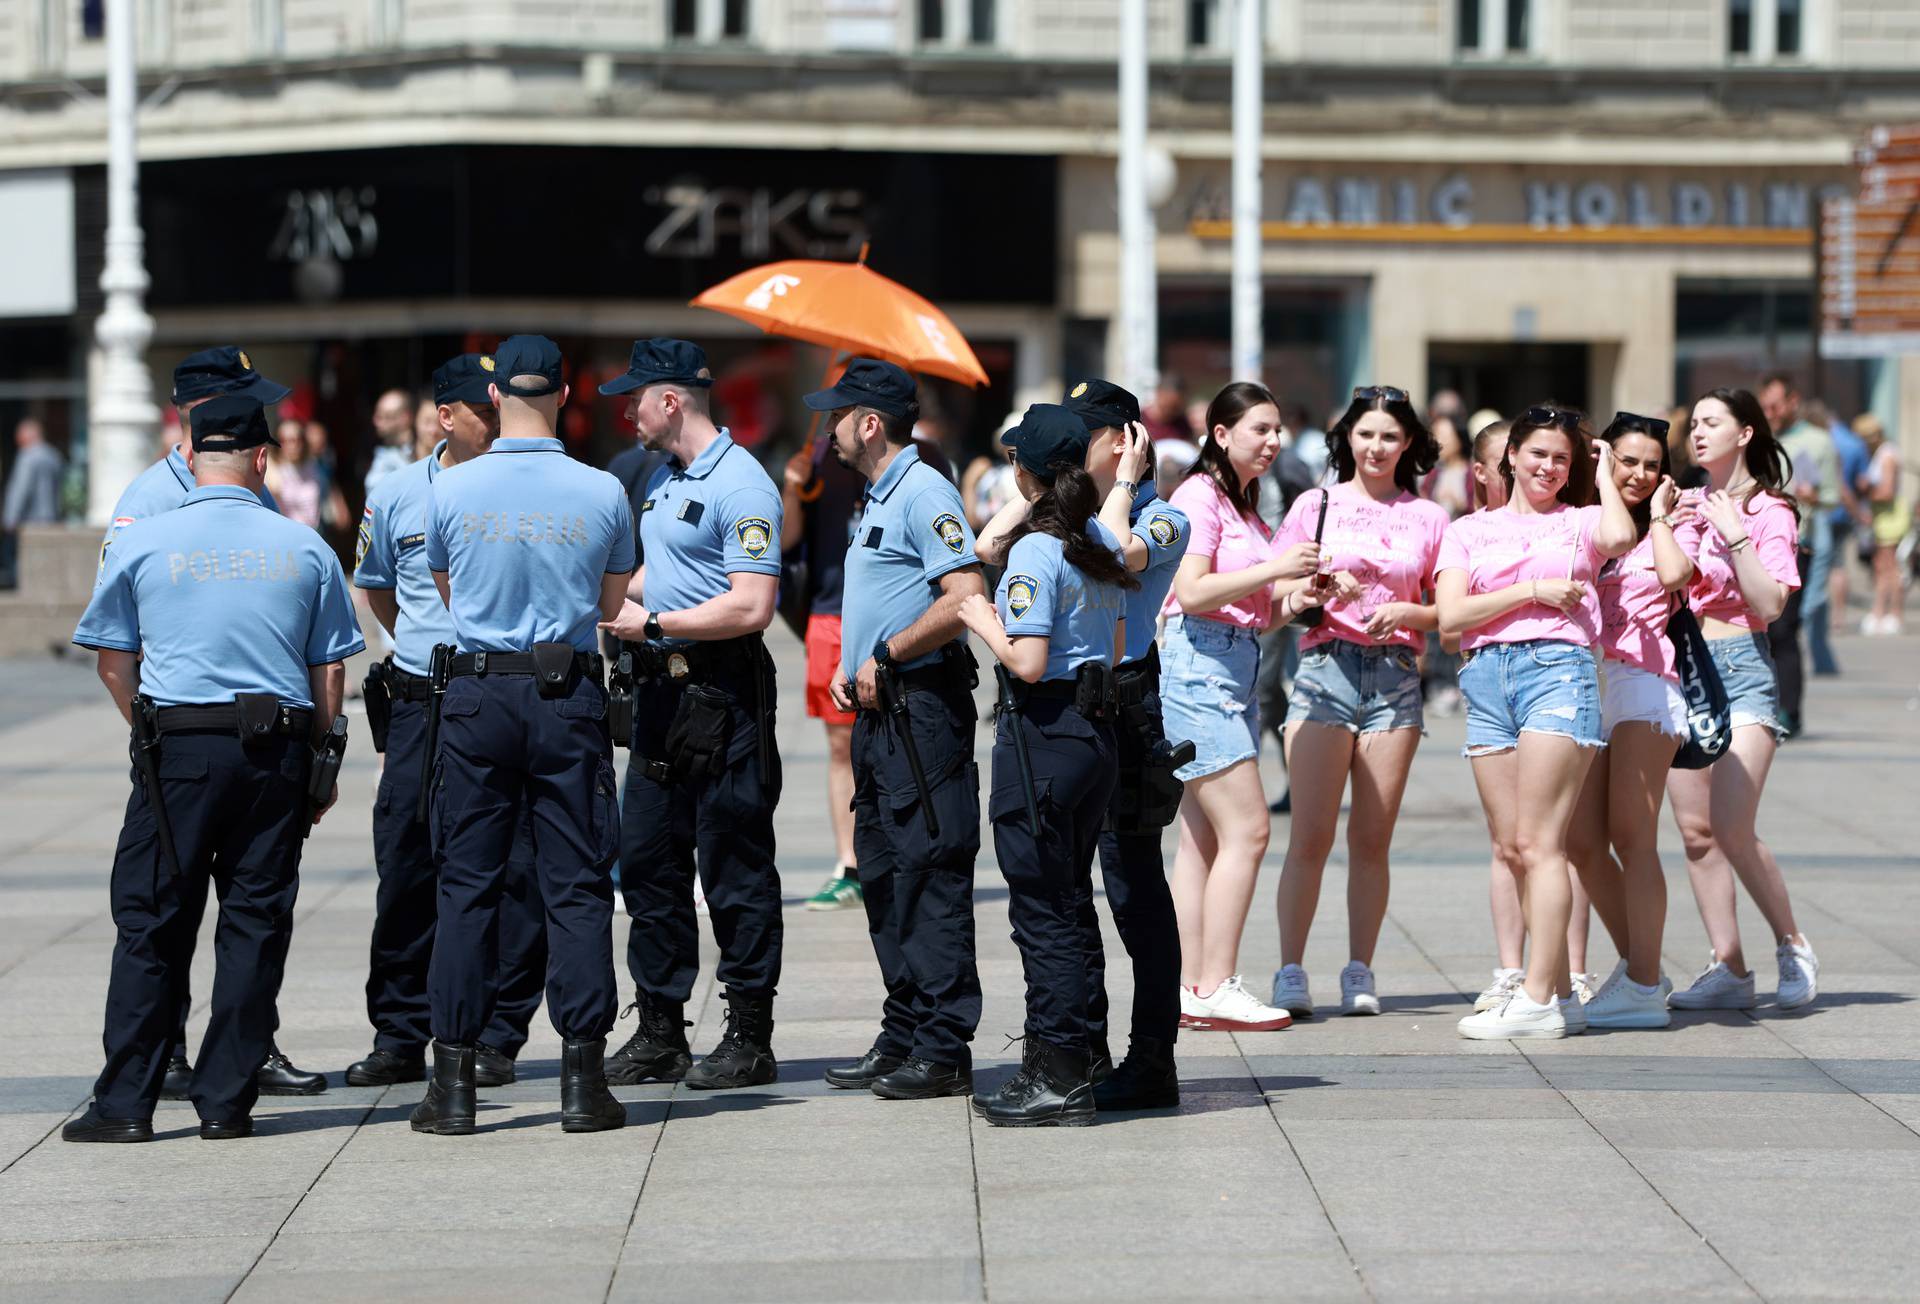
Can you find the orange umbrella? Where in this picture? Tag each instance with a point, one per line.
(848, 306)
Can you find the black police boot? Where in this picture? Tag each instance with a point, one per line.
(383, 1068)
(1050, 1090)
(448, 1107)
(1146, 1079)
(744, 1057)
(491, 1068)
(658, 1051)
(1099, 1061)
(585, 1103)
(90, 1126)
(226, 1129)
(920, 1079)
(178, 1084)
(278, 1077)
(865, 1071)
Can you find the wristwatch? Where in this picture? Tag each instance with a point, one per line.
(882, 657)
(651, 631)
(1131, 486)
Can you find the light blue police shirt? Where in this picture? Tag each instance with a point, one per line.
(1163, 528)
(914, 530)
(702, 523)
(391, 553)
(222, 596)
(160, 488)
(1040, 593)
(525, 535)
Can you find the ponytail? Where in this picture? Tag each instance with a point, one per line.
(1062, 511)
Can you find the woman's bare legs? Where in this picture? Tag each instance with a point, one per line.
(1638, 756)
(1715, 809)
(1228, 811)
(1320, 755)
(1381, 761)
(1191, 860)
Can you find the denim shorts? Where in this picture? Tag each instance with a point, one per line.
(1361, 689)
(1539, 686)
(1207, 673)
(1745, 663)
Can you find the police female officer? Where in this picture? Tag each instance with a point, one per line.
(1057, 626)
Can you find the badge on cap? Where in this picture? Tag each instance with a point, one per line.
(1165, 531)
(486, 362)
(244, 360)
(1020, 591)
(756, 535)
(1078, 390)
(947, 526)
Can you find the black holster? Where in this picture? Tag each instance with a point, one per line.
(556, 669)
(438, 670)
(1148, 793)
(145, 751)
(325, 771)
(1093, 690)
(698, 735)
(376, 694)
(256, 715)
(620, 700)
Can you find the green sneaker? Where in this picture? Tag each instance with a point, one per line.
(841, 892)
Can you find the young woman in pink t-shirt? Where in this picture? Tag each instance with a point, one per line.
(1355, 705)
(1516, 584)
(1745, 568)
(1222, 597)
(1643, 718)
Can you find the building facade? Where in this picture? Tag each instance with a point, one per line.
(1606, 201)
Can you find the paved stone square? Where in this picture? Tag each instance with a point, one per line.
(1733, 1156)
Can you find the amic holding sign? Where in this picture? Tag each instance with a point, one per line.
(1519, 204)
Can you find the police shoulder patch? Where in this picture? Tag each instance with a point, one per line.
(1020, 593)
(1164, 529)
(364, 540)
(756, 535)
(951, 532)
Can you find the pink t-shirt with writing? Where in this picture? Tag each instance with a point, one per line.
(1715, 594)
(1389, 547)
(1634, 610)
(1502, 547)
(1221, 531)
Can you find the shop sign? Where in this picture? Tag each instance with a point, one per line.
(700, 221)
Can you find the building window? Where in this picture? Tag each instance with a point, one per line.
(1467, 25)
(1786, 27)
(709, 20)
(683, 19)
(1767, 29)
(1740, 27)
(1493, 27)
(981, 15)
(93, 19)
(976, 22)
(1519, 26)
(1204, 24)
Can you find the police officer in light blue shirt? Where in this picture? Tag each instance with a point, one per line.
(392, 569)
(221, 629)
(1056, 629)
(705, 772)
(530, 549)
(916, 798)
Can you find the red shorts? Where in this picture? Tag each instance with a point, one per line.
(823, 663)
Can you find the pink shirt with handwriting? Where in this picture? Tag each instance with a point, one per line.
(1715, 594)
(1389, 547)
(1222, 532)
(1634, 610)
(1502, 547)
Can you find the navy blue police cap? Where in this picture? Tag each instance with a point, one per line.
(870, 383)
(222, 370)
(527, 355)
(227, 423)
(464, 379)
(662, 362)
(1049, 437)
(1101, 403)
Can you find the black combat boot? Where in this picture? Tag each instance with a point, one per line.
(1146, 1079)
(92, 1126)
(585, 1103)
(1050, 1090)
(744, 1057)
(449, 1104)
(1099, 1061)
(491, 1068)
(657, 1051)
(278, 1077)
(865, 1071)
(920, 1079)
(178, 1084)
(383, 1068)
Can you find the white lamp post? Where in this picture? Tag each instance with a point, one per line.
(1248, 64)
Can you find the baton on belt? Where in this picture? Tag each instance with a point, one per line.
(146, 756)
(893, 700)
(437, 676)
(1009, 705)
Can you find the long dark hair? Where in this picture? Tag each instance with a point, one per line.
(1766, 461)
(1578, 490)
(1416, 459)
(1227, 408)
(1062, 510)
(1627, 423)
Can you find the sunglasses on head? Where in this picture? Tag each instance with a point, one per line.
(1654, 425)
(1546, 416)
(1368, 393)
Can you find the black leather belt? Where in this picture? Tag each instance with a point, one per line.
(681, 660)
(1052, 690)
(516, 663)
(224, 717)
(408, 688)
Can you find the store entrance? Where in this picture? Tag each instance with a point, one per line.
(1509, 377)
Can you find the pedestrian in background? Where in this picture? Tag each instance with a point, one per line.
(1814, 471)
(395, 431)
(1887, 517)
(33, 491)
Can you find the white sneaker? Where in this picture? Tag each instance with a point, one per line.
(1515, 1017)
(1232, 1008)
(1574, 1013)
(1715, 989)
(1624, 1003)
(1619, 973)
(1584, 985)
(1799, 975)
(1356, 990)
(1290, 990)
(1505, 983)
(1193, 1014)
